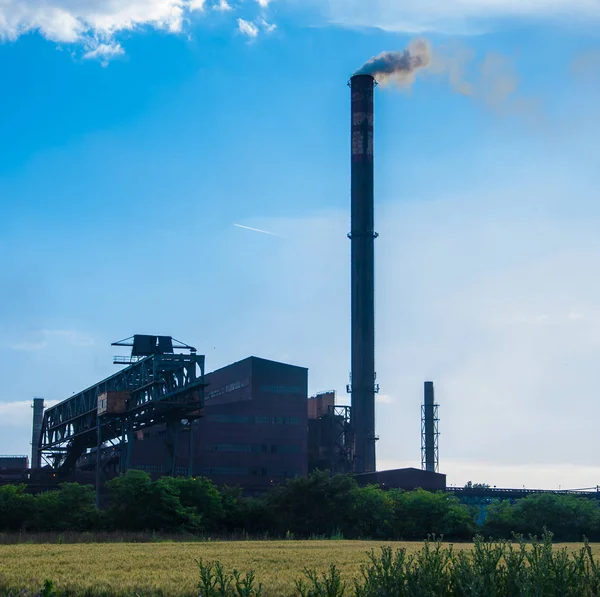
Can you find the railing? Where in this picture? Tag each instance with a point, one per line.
(126, 360)
(498, 491)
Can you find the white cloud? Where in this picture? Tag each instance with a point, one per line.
(19, 414)
(94, 23)
(104, 52)
(43, 339)
(29, 346)
(196, 5)
(71, 337)
(247, 28)
(223, 6)
(268, 27)
(384, 399)
(72, 20)
(448, 15)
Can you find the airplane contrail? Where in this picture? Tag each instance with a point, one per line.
(257, 230)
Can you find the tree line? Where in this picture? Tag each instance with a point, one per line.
(315, 506)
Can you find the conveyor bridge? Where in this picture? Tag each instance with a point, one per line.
(159, 386)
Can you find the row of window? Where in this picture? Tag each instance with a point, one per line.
(243, 471)
(255, 448)
(283, 390)
(232, 387)
(216, 471)
(257, 420)
(150, 468)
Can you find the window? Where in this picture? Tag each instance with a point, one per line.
(293, 449)
(149, 468)
(224, 471)
(282, 389)
(230, 448)
(228, 418)
(277, 420)
(257, 420)
(287, 474)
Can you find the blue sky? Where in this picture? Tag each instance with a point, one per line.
(134, 135)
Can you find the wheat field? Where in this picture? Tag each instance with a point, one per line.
(171, 569)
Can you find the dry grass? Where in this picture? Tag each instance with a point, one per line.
(170, 568)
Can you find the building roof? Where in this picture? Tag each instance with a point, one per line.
(256, 359)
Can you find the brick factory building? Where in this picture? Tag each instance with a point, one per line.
(253, 432)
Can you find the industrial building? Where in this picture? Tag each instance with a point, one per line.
(330, 438)
(250, 424)
(404, 478)
(12, 468)
(252, 432)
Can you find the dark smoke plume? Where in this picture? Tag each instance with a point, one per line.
(399, 67)
(492, 81)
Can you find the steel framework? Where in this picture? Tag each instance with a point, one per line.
(430, 452)
(341, 448)
(160, 388)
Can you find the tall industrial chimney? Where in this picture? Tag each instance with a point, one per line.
(362, 384)
(430, 458)
(38, 417)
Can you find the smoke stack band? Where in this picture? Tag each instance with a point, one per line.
(362, 235)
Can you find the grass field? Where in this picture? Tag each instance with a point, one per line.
(170, 568)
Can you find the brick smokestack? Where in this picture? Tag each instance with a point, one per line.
(362, 235)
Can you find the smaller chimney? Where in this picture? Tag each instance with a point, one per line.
(430, 456)
(38, 417)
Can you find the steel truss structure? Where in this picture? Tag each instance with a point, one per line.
(341, 448)
(430, 433)
(160, 389)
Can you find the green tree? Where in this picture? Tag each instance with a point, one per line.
(421, 513)
(246, 514)
(372, 513)
(499, 520)
(568, 517)
(137, 503)
(17, 508)
(71, 508)
(315, 505)
(200, 496)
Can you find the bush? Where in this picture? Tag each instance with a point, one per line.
(569, 517)
(421, 513)
(72, 507)
(315, 505)
(319, 505)
(16, 508)
(372, 514)
(137, 503)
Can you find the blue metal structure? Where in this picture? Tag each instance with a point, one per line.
(515, 494)
(158, 386)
